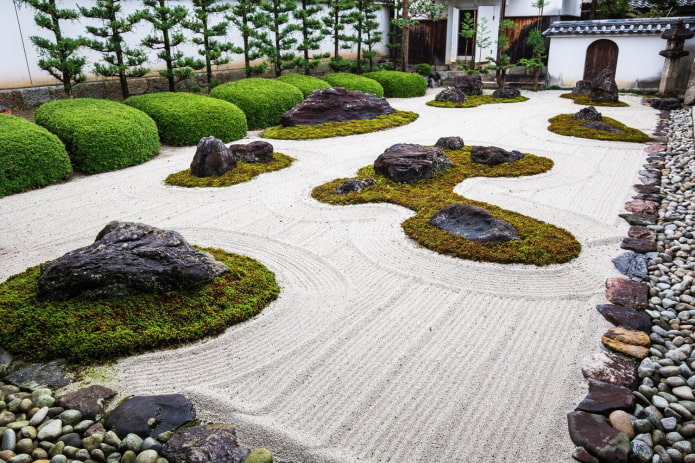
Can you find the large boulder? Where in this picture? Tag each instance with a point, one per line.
(603, 87)
(506, 93)
(336, 104)
(215, 443)
(451, 95)
(256, 151)
(128, 258)
(473, 223)
(470, 84)
(151, 415)
(406, 163)
(492, 155)
(212, 158)
(582, 87)
(588, 114)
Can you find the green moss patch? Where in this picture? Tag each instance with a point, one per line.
(341, 129)
(88, 330)
(476, 100)
(399, 84)
(243, 172)
(541, 243)
(305, 84)
(355, 83)
(586, 101)
(563, 124)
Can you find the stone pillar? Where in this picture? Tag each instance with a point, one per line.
(675, 37)
(690, 91)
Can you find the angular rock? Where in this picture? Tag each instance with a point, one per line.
(633, 343)
(602, 126)
(89, 400)
(623, 316)
(256, 151)
(604, 398)
(493, 155)
(631, 294)
(588, 114)
(603, 87)
(639, 219)
(506, 93)
(598, 437)
(128, 258)
(203, 444)
(451, 95)
(406, 163)
(336, 104)
(50, 375)
(470, 84)
(632, 265)
(583, 456)
(640, 245)
(450, 143)
(212, 158)
(473, 223)
(637, 231)
(665, 104)
(169, 411)
(640, 206)
(355, 185)
(582, 87)
(611, 368)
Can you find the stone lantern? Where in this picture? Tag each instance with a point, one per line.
(675, 38)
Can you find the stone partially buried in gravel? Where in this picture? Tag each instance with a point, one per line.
(407, 163)
(611, 368)
(89, 400)
(631, 294)
(204, 444)
(212, 158)
(624, 316)
(128, 258)
(598, 437)
(493, 155)
(473, 223)
(52, 375)
(604, 398)
(169, 411)
(632, 265)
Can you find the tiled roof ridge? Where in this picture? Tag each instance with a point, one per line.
(628, 26)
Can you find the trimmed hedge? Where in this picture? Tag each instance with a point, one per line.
(30, 156)
(355, 82)
(262, 100)
(398, 84)
(100, 135)
(305, 84)
(184, 118)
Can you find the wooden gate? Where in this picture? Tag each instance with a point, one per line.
(600, 55)
(427, 42)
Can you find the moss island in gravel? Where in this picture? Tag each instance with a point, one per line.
(541, 243)
(243, 172)
(587, 101)
(564, 124)
(476, 100)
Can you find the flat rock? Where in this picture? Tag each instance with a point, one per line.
(640, 206)
(611, 368)
(256, 151)
(623, 316)
(639, 219)
(128, 258)
(493, 155)
(604, 398)
(637, 231)
(473, 223)
(506, 93)
(354, 185)
(627, 293)
(588, 114)
(204, 444)
(640, 245)
(602, 126)
(451, 95)
(470, 84)
(581, 455)
(630, 342)
(89, 400)
(632, 265)
(336, 104)
(212, 158)
(52, 375)
(450, 143)
(169, 411)
(598, 437)
(407, 163)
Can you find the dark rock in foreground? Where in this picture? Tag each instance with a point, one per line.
(151, 415)
(598, 437)
(470, 84)
(626, 317)
(128, 258)
(588, 114)
(492, 155)
(451, 95)
(50, 375)
(256, 151)
(604, 398)
(603, 87)
(473, 223)
(214, 443)
(602, 126)
(506, 93)
(627, 293)
(406, 163)
(336, 104)
(355, 185)
(212, 158)
(632, 265)
(450, 143)
(89, 401)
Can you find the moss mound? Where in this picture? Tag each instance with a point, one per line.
(305, 84)
(541, 243)
(184, 118)
(355, 82)
(399, 84)
(86, 330)
(243, 172)
(262, 100)
(100, 135)
(476, 100)
(585, 100)
(341, 129)
(563, 124)
(30, 156)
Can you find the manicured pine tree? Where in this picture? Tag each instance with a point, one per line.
(241, 15)
(278, 37)
(366, 28)
(334, 24)
(58, 56)
(118, 59)
(311, 35)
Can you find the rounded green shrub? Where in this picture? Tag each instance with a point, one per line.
(424, 69)
(262, 100)
(355, 82)
(30, 156)
(398, 84)
(184, 118)
(305, 84)
(100, 135)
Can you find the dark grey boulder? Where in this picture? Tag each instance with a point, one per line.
(603, 87)
(473, 223)
(128, 258)
(588, 114)
(506, 93)
(52, 375)
(165, 413)
(451, 95)
(639, 219)
(89, 400)
(470, 84)
(406, 163)
(492, 155)
(212, 158)
(450, 143)
(336, 104)
(215, 443)
(602, 126)
(354, 185)
(632, 265)
(595, 434)
(256, 151)
(582, 87)
(665, 104)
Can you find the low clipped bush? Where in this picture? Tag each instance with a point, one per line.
(355, 82)
(262, 100)
(30, 156)
(184, 118)
(398, 84)
(100, 135)
(305, 84)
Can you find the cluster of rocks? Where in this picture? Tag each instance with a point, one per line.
(471, 84)
(213, 158)
(595, 120)
(601, 88)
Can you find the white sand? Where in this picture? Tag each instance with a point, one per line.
(377, 350)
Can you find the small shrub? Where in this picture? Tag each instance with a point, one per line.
(564, 124)
(355, 82)
(398, 84)
(306, 84)
(424, 69)
(475, 100)
(30, 156)
(341, 65)
(183, 118)
(100, 135)
(243, 172)
(262, 100)
(587, 101)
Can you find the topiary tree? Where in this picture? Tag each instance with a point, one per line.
(334, 24)
(242, 14)
(305, 84)
(502, 62)
(277, 38)
(311, 35)
(118, 59)
(58, 56)
(535, 63)
(399, 84)
(355, 82)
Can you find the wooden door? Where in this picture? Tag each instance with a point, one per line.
(600, 55)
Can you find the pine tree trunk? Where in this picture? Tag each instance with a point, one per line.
(405, 39)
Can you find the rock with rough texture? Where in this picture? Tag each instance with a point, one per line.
(128, 258)
(588, 114)
(451, 95)
(623, 316)
(212, 158)
(52, 375)
(629, 342)
(602, 126)
(204, 444)
(406, 163)
(89, 400)
(603, 87)
(506, 93)
(632, 265)
(631, 294)
(335, 104)
(581, 455)
(640, 206)
(355, 185)
(450, 143)
(598, 437)
(665, 104)
(611, 368)
(169, 411)
(493, 156)
(640, 245)
(256, 151)
(604, 398)
(470, 84)
(473, 223)
(582, 87)
(639, 219)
